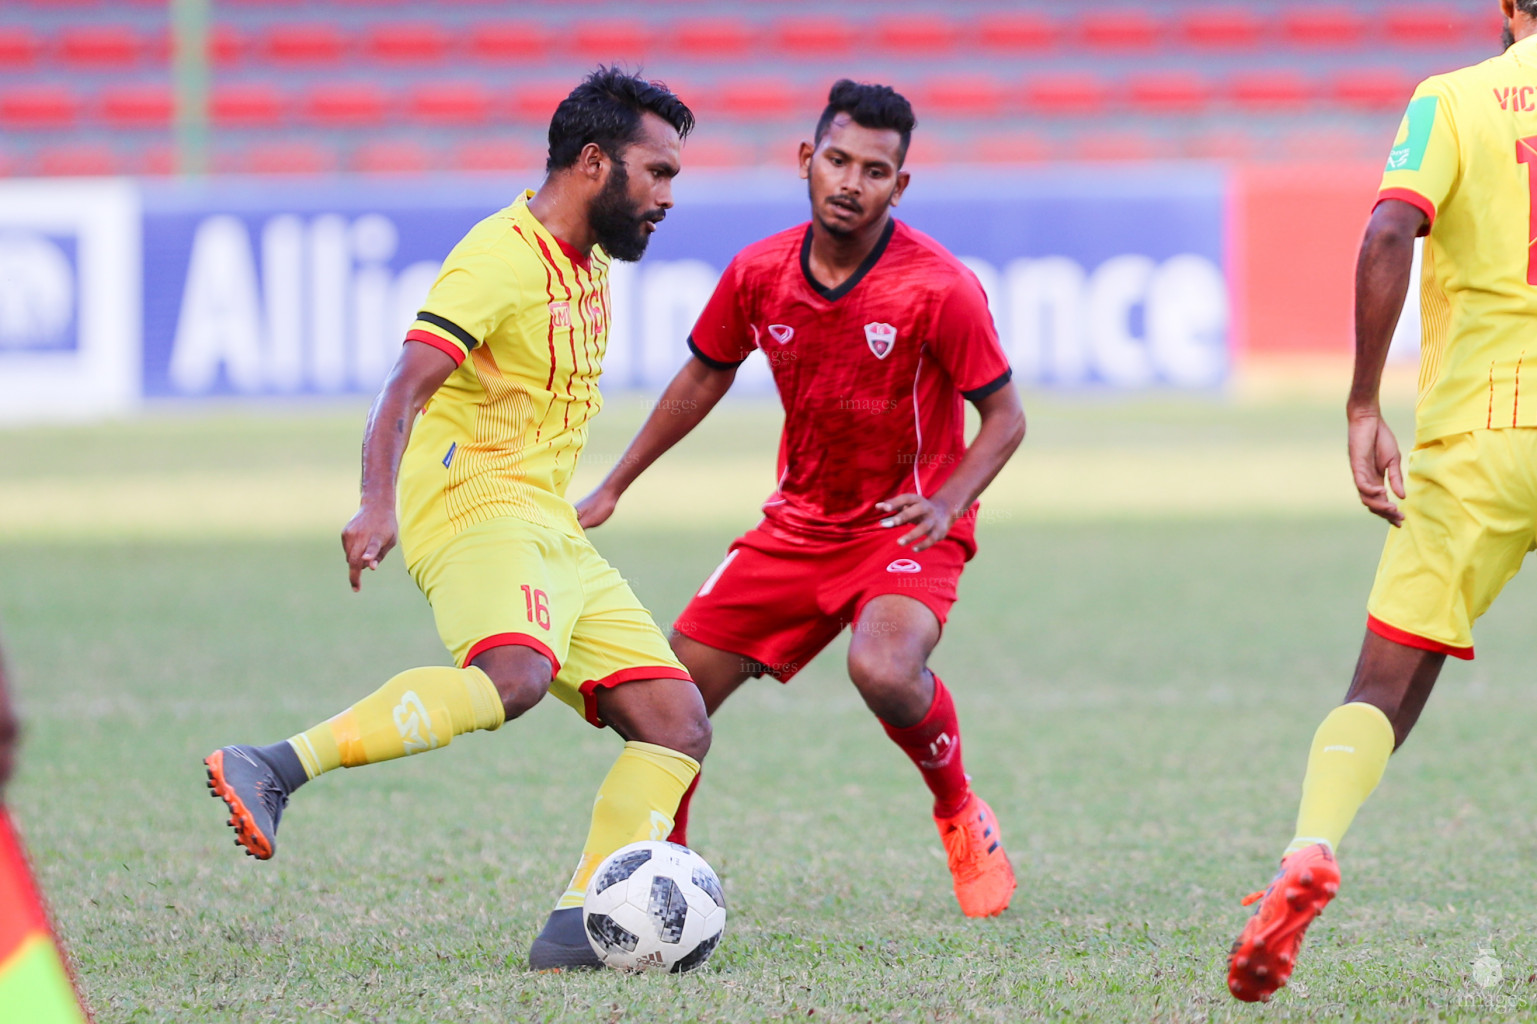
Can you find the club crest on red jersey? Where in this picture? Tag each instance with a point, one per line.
(781, 333)
(882, 339)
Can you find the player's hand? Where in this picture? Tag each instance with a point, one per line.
(1375, 464)
(595, 509)
(367, 538)
(930, 520)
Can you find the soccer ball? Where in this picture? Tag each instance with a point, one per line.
(654, 905)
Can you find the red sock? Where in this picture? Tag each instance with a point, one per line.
(934, 744)
(679, 833)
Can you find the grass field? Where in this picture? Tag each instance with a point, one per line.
(1168, 600)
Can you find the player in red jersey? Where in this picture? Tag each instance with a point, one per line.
(875, 334)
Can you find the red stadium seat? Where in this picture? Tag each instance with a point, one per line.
(716, 151)
(450, 102)
(1066, 94)
(522, 42)
(535, 102)
(157, 160)
(1021, 32)
(1169, 92)
(1270, 90)
(498, 154)
(319, 43)
(1324, 26)
(1012, 148)
(137, 106)
(1222, 28)
(39, 107)
(712, 38)
(1121, 146)
(917, 35)
(1342, 145)
(250, 106)
(1123, 29)
(416, 42)
(1385, 89)
(962, 96)
(20, 46)
(352, 105)
(287, 158)
(100, 46)
(611, 40)
(1425, 26)
(1225, 144)
(399, 156)
(758, 99)
(79, 160)
(226, 46)
(815, 37)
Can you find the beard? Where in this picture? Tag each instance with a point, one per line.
(1507, 37)
(619, 225)
(836, 230)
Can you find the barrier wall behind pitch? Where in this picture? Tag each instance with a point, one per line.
(1111, 278)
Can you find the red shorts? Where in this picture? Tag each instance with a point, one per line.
(778, 599)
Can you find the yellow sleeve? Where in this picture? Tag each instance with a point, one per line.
(473, 293)
(1426, 159)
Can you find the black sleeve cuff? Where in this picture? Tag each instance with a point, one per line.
(977, 394)
(714, 364)
(465, 338)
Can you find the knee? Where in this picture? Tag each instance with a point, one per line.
(693, 736)
(883, 669)
(521, 676)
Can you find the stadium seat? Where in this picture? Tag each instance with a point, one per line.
(1066, 94)
(515, 41)
(1321, 27)
(1381, 89)
(917, 35)
(286, 158)
(137, 106)
(1232, 143)
(38, 107)
(1021, 32)
(814, 37)
(1120, 29)
(1425, 26)
(757, 99)
(1169, 92)
(20, 46)
(249, 106)
(391, 156)
(157, 160)
(226, 46)
(711, 38)
(346, 105)
(611, 40)
(100, 46)
(498, 154)
(1006, 148)
(535, 102)
(1221, 28)
(717, 151)
(317, 43)
(415, 42)
(79, 160)
(962, 96)
(1269, 91)
(1120, 146)
(450, 102)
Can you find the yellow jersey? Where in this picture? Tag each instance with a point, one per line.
(526, 318)
(1464, 155)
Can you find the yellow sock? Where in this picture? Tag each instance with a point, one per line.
(421, 709)
(636, 801)
(1350, 752)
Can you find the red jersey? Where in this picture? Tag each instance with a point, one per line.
(871, 374)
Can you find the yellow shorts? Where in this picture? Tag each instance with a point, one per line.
(506, 582)
(1469, 519)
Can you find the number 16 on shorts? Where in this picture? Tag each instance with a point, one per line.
(537, 603)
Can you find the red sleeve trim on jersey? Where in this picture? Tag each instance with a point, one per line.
(590, 688)
(514, 640)
(977, 394)
(1421, 643)
(443, 345)
(712, 363)
(1414, 199)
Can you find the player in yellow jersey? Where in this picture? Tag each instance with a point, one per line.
(471, 444)
(1460, 173)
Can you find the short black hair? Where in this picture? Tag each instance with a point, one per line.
(872, 106)
(606, 108)
(1528, 7)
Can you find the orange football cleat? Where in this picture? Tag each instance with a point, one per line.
(984, 878)
(1264, 955)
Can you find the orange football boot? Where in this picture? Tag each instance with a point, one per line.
(984, 878)
(1264, 955)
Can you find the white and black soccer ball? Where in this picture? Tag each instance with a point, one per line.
(654, 905)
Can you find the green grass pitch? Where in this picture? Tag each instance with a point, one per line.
(1168, 600)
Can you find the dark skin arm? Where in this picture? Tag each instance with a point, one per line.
(1382, 281)
(418, 373)
(10, 732)
(690, 396)
(1002, 429)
